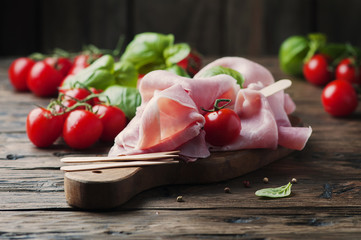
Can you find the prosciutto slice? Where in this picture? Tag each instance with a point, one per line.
(251, 71)
(171, 116)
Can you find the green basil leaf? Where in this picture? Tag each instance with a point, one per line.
(177, 70)
(99, 79)
(316, 41)
(98, 75)
(105, 62)
(125, 98)
(151, 67)
(176, 53)
(147, 48)
(223, 70)
(292, 53)
(338, 51)
(125, 74)
(334, 50)
(278, 192)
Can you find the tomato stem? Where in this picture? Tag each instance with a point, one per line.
(217, 106)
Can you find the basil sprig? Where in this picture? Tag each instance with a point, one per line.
(278, 192)
(152, 51)
(217, 70)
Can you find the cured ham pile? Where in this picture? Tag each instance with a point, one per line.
(171, 116)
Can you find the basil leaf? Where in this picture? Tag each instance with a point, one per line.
(176, 53)
(316, 41)
(98, 75)
(278, 192)
(223, 70)
(177, 70)
(105, 62)
(125, 98)
(125, 74)
(147, 48)
(292, 52)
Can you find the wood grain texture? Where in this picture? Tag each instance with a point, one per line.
(325, 203)
(109, 188)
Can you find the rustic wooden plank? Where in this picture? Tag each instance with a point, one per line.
(186, 224)
(30, 176)
(325, 203)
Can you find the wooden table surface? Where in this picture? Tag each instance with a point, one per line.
(325, 203)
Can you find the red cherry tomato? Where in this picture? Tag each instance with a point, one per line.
(44, 80)
(82, 129)
(339, 98)
(222, 126)
(18, 73)
(61, 64)
(317, 70)
(74, 94)
(42, 127)
(113, 119)
(96, 100)
(349, 71)
(192, 63)
(82, 61)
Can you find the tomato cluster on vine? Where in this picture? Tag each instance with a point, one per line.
(341, 79)
(42, 75)
(78, 116)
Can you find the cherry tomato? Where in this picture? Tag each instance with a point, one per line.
(44, 80)
(96, 100)
(82, 61)
(222, 126)
(42, 127)
(113, 119)
(61, 64)
(18, 72)
(317, 70)
(82, 129)
(192, 63)
(74, 94)
(339, 98)
(348, 70)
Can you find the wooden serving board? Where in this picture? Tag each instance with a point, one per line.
(109, 188)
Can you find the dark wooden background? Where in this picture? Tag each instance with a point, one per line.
(214, 27)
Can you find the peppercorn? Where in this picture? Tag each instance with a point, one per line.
(180, 199)
(294, 180)
(265, 180)
(227, 190)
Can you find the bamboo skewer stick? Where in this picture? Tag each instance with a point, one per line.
(138, 157)
(93, 167)
(276, 87)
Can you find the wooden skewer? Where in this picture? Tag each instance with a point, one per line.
(138, 157)
(88, 167)
(276, 87)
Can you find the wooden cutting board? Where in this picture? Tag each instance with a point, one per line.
(109, 188)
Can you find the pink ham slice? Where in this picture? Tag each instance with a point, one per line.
(170, 116)
(251, 71)
(169, 120)
(203, 91)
